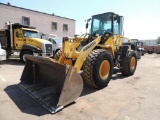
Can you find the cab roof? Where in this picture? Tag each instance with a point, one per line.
(19, 25)
(29, 29)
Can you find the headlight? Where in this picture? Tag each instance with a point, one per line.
(4, 53)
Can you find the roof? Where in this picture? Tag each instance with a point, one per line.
(29, 29)
(35, 11)
(104, 13)
(19, 25)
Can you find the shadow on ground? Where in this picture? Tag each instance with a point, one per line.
(13, 61)
(117, 75)
(27, 105)
(24, 102)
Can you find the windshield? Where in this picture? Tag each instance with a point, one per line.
(56, 39)
(59, 39)
(101, 23)
(31, 34)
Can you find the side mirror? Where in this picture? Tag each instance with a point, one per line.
(89, 20)
(86, 25)
(17, 34)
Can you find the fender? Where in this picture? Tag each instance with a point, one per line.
(31, 48)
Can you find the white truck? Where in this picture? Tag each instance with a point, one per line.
(57, 41)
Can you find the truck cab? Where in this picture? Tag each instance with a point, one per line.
(18, 39)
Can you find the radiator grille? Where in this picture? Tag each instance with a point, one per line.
(48, 48)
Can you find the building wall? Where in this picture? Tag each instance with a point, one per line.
(42, 21)
(149, 42)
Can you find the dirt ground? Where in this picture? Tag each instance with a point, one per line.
(126, 98)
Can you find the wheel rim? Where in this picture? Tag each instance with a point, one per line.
(133, 63)
(104, 69)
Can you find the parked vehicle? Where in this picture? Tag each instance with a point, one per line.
(3, 54)
(57, 43)
(138, 47)
(55, 40)
(18, 39)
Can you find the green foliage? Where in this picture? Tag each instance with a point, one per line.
(158, 40)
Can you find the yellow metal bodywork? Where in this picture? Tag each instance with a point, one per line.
(18, 41)
(84, 53)
(21, 40)
(69, 48)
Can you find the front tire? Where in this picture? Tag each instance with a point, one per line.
(22, 55)
(98, 68)
(129, 64)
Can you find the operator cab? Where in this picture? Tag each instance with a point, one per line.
(107, 23)
(104, 25)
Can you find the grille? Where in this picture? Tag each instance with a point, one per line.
(48, 48)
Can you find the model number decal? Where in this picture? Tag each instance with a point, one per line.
(89, 46)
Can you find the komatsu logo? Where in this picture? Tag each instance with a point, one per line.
(89, 46)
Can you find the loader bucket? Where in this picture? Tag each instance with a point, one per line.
(51, 84)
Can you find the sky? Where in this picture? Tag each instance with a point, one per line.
(141, 17)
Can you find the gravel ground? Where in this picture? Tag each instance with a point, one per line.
(126, 98)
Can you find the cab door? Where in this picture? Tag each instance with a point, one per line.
(18, 39)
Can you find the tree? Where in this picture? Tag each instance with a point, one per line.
(158, 40)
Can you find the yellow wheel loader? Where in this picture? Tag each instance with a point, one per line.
(54, 83)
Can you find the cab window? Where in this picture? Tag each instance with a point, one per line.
(116, 28)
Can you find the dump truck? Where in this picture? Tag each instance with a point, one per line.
(19, 39)
(89, 58)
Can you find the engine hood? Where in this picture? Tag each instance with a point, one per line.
(59, 45)
(39, 40)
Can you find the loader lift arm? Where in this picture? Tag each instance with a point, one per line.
(69, 52)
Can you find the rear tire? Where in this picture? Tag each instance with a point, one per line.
(58, 54)
(129, 64)
(98, 68)
(22, 57)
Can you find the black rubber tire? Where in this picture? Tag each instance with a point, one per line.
(91, 68)
(57, 54)
(125, 64)
(23, 53)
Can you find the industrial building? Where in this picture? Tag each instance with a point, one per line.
(44, 22)
(147, 42)
(151, 42)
